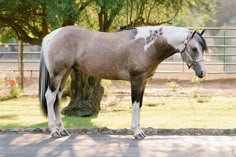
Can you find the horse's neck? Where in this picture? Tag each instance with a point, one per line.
(171, 42)
(175, 36)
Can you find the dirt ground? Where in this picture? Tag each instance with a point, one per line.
(213, 85)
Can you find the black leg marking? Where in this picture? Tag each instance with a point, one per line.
(137, 90)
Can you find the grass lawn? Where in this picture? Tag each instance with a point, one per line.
(159, 112)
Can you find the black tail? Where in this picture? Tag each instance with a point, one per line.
(43, 85)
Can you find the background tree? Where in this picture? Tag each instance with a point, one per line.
(107, 12)
(32, 20)
(175, 12)
(87, 93)
(27, 20)
(225, 14)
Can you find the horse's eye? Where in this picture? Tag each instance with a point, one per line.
(194, 49)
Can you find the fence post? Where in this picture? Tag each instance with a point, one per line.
(224, 51)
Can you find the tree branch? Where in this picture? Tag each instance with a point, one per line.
(84, 5)
(22, 35)
(150, 10)
(33, 30)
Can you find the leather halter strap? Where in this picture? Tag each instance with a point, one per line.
(191, 60)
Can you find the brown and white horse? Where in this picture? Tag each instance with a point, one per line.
(132, 55)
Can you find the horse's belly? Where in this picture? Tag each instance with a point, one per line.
(107, 73)
(103, 66)
(122, 75)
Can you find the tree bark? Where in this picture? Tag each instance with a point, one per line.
(86, 91)
(21, 63)
(86, 95)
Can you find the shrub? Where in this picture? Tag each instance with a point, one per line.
(15, 90)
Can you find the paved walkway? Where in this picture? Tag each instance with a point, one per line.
(40, 145)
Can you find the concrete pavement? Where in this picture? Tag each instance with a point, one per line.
(41, 145)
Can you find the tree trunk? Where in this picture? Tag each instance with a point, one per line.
(86, 91)
(86, 94)
(21, 63)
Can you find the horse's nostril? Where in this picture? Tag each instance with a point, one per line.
(202, 74)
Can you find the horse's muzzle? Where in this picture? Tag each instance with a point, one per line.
(201, 74)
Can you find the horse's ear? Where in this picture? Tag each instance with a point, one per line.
(202, 31)
(193, 34)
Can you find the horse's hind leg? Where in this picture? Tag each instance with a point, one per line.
(51, 96)
(59, 123)
(137, 90)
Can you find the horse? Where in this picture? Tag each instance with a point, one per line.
(131, 54)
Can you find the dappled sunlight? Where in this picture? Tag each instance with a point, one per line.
(116, 145)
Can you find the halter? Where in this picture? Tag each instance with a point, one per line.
(191, 60)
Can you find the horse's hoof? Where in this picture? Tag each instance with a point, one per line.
(141, 132)
(64, 132)
(56, 134)
(140, 136)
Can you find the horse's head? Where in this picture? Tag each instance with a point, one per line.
(192, 54)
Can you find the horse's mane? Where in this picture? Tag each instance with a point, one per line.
(202, 41)
(126, 28)
(198, 37)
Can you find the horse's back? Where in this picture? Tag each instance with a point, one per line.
(83, 38)
(104, 55)
(100, 54)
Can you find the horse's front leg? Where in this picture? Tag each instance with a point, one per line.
(137, 90)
